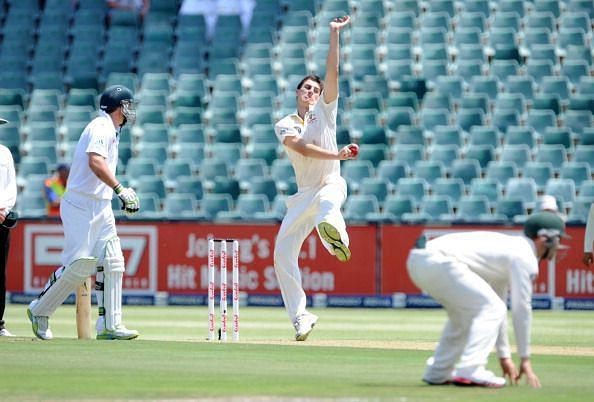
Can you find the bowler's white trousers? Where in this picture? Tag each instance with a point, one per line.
(305, 210)
(475, 311)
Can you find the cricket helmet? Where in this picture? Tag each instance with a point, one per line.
(548, 224)
(116, 96)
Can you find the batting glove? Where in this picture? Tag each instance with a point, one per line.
(130, 201)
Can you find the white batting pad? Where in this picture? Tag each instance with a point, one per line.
(61, 283)
(113, 272)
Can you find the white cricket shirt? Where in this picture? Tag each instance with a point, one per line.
(318, 128)
(100, 137)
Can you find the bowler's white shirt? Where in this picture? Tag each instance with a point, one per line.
(100, 137)
(319, 128)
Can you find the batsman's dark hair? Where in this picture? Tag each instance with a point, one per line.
(314, 78)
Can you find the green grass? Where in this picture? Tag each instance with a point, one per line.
(172, 360)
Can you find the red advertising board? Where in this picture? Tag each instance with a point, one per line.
(172, 257)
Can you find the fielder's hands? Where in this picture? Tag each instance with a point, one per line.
(526, 369)
(130, 201)
(510, 372)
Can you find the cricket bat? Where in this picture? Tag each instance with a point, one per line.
(83, 310)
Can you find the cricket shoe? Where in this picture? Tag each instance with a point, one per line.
(120, 333)
(40, 325)
(478, 378)
(5, 332)
(304, 325)
(331, 235)
(430, 377)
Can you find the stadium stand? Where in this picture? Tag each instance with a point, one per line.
(463, 99)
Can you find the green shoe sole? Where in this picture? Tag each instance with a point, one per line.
(331, 236)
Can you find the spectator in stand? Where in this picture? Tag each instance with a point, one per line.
(54, 188)
(211, 9)
(139, 6)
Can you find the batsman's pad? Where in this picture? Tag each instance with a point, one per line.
(113, 273)
(62, 283)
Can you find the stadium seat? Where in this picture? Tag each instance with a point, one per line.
(579, 172)
(354, 171)
(428, 170)
(491, 188)
(513, 209)
(392, 171)
(523, 188)
(448, 187)
(540, 172)
(413, 187)
(502, 170)
(357, 207)
(473, 208)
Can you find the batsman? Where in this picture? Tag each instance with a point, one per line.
(91, 243)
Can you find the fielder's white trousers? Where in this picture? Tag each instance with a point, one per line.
(475, 312)
(305, 210)
(88, 224)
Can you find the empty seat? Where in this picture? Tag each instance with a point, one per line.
(377, 186)
(412, 187)
(540, 172)
(356, 170)
(452, 188)
(357, 207)
(523, 188)
(465, 169)
(513, 209)
(473, 208)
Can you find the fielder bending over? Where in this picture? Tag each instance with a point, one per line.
(470, 274)
(309, 138)
(91, 243)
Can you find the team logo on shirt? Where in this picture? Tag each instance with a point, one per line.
(311, 118)
(298, 129)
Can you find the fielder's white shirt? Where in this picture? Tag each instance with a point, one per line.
(100, 137)
(8, 187)
(319, 128)
(505, 262)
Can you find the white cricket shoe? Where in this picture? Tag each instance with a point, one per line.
(40, 325)
(5, 332)
(120, 333)
(304, 325)
(331, 235)
(479, 377)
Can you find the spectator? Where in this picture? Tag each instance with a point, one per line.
(54, 188)
(548, 203)
(211, 9)
(138, 6)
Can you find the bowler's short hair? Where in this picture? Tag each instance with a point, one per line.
(314, 78)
